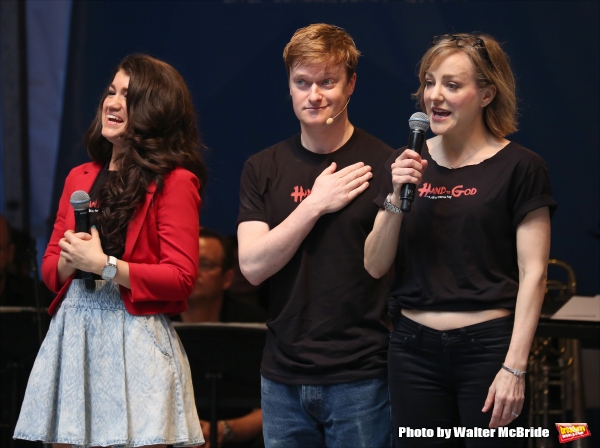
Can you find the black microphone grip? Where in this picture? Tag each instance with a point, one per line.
(82, 224)
(416, 138)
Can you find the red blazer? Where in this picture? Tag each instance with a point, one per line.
(161, 246)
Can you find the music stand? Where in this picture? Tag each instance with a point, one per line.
(225, 361)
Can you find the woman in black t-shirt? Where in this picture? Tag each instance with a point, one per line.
(470, 258)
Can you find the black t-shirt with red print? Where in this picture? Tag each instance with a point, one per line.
(457, 248)
(104, 176)
(325, 310)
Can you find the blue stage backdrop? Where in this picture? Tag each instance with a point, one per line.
(230, 53)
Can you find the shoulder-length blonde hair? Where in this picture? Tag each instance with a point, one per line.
(491, 67)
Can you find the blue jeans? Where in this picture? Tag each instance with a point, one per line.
(343, 415)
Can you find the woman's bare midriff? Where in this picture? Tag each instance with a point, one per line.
(449, 320)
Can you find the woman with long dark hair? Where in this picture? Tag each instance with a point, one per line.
(111, 370)
(471, 256)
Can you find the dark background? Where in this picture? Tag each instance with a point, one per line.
(230, 53)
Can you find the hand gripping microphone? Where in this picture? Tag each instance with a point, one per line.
(80, 201)
(418, 124)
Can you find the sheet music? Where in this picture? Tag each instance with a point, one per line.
(580, 308)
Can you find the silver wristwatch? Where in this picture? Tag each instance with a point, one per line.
(110, 270)
(227, 433)
(391, 207)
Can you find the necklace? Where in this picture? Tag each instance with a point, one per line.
(452, 167)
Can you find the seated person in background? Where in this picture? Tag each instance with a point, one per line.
(241, 289)
(17, 287)
(209, 302)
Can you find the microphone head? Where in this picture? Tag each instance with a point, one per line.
(418, 121)
(329, 120)
(80, 201)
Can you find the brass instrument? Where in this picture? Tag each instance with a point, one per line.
(555, 373)
(557, 287)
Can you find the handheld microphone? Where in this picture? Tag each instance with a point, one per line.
(330, 119)
(418, 123)
(80, 201)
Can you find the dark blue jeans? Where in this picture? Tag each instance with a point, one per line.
(441, 379)
(343, 415)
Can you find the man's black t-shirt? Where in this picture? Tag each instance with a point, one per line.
(457, 249)
(325, 310)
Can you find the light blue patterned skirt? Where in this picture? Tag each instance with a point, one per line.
(105, 377)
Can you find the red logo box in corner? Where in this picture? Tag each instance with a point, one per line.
(568, 432)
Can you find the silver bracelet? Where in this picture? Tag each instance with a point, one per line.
(516, 372)
(391, 207)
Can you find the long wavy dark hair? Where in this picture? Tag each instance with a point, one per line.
(161, 133)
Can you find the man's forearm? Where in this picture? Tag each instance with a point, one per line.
(263, 251)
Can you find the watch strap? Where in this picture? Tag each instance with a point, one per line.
(391, 207)
(227, 432)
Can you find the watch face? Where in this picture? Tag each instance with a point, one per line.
(108, 272)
